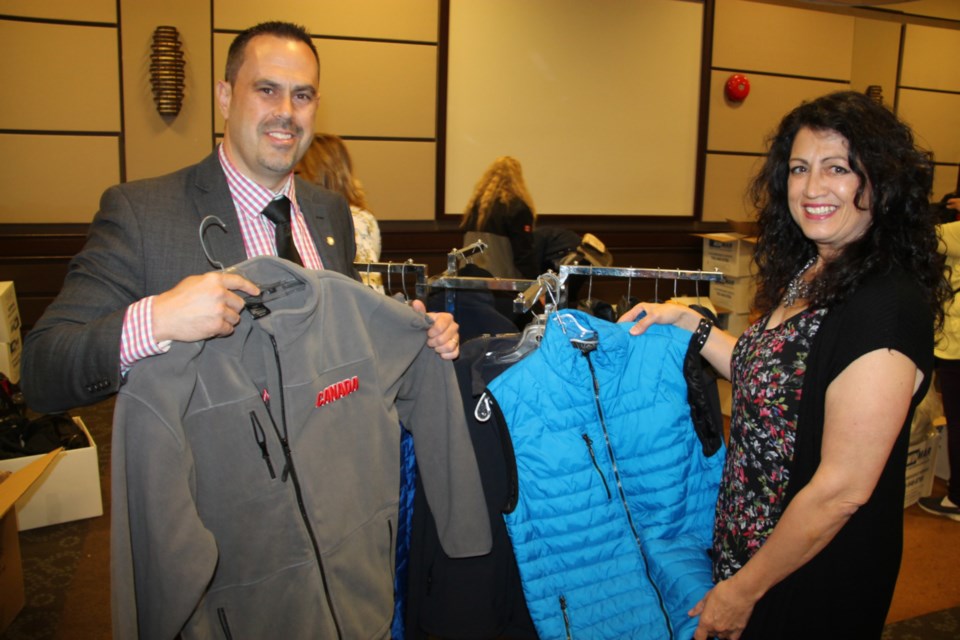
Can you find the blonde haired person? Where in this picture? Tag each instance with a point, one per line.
(501, 213)
(327, 163)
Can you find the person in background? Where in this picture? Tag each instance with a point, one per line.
(501, 213)
(327, 163)
(809, 519)
(947, 351)
(143, 279)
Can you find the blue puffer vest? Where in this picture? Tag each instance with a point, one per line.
(616, 498)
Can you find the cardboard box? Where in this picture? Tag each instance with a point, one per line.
(10, 357)
(729, 253)
(734, 294)
(69, 489)
(9, 312)
(921, 462)
(11, 567)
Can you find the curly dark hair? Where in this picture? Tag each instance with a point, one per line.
(883, 154)
(285, 30)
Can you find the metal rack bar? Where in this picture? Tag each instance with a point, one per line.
(403, 269)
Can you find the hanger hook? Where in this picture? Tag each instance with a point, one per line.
(656, 287)
(629, 283)
(696, 284)
(206, 222)
(389, 272)
(369, 281)
(590, 285)
(675, 282)
(403, 279)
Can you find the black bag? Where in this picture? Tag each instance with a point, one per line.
(21, 436)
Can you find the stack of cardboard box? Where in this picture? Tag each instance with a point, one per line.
(731, 254)
(10, 342)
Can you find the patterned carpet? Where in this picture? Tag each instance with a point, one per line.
(940, 625)
(66, 570)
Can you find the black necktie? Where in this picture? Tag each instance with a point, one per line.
(278, 212)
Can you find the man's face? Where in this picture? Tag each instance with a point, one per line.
(270, 109)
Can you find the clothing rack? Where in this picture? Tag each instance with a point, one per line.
(451, 283)
(403, 269)
(529, 297)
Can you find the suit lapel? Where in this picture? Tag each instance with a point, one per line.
(212, 198)
(321, 230)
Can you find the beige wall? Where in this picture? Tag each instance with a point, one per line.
(793, 53)
(69, 111)
(77, 110)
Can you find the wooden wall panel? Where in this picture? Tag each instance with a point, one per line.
(762, 37)
(930, 58)
(935, 119)
(745, 126)
(62, 77)
(398, 177)
(56, 178)
(88, 10)
(387, 19)
(725, 185)
(371, 89)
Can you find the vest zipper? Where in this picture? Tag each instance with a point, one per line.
(224, 624)
(593, 459)
(623, 495)
(290, 470)
(566, 618)
(261, 439)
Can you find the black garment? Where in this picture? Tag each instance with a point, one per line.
(478, 597)
(845, 590)
(478, 312)
(514, 220)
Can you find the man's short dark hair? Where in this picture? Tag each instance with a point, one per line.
(286, 30)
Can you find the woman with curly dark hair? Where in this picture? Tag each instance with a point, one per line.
(809, 520)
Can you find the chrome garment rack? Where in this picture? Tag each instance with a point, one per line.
(402, 269)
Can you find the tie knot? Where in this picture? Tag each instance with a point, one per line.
(278, 211)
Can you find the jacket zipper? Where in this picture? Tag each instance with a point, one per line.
(566, 618)
(623, 495)
(290, 470)
(261, 439)
(593, 459)
(224, 623)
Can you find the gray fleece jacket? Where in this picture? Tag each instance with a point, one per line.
(255, 477)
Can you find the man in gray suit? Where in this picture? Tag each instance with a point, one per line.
(143, 278)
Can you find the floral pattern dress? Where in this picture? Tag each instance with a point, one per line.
(768, 367)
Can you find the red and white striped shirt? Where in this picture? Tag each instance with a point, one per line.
(259, 239)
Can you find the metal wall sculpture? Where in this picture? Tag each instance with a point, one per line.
(167, 70)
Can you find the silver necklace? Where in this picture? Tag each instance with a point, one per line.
(798, 288)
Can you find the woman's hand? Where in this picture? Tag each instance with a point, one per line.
(648, 313)
(719, 345)
(724, 612)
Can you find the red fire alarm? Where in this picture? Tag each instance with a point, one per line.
(737, 88)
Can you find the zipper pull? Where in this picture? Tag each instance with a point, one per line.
(261, 439)
(596, 465)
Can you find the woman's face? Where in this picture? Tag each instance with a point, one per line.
(821, 189)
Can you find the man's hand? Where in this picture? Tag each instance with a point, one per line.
(443, 336)
(200, 307)
(954, 203)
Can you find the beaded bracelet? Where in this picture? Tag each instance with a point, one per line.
(702, 333)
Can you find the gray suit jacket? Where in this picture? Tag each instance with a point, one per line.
(143, 241)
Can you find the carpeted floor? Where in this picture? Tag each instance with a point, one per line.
(67, 570)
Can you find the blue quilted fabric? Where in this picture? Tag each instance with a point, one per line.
(616, 498)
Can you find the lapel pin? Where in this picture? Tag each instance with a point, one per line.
(330, 241)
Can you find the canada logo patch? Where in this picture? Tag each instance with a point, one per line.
(338, 390)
